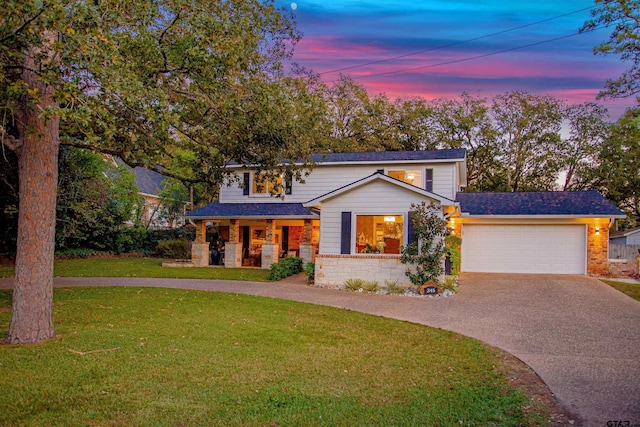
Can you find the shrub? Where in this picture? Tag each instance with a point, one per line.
(277, 271)
(310, 271)
(393, 287)
(427, 251)
(285, 268)
(177, 249)
(450, 284)
(370, 286)
(354, 284)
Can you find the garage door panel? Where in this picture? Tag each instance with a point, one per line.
(556, 249)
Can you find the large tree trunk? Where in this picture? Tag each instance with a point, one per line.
(31, 318)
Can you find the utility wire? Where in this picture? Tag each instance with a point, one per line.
(455, 43)
(484, 55)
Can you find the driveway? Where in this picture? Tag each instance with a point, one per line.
(581, 336)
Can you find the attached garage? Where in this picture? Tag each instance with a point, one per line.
(556, 232)
(524, 248)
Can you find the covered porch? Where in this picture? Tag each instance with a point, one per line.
(258, 234)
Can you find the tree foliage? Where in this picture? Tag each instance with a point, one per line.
(184, 87)
(624, 17)
(427, 252)
(617, 174)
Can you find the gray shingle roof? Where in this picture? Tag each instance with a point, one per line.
(574, 203)
(252, 210)
(148, 181)
(384, 156)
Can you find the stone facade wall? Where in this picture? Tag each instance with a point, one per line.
(624, 267)
(334, 270)
(200, 254)
(597, 250)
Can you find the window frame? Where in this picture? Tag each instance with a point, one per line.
(354, 227)
(267, 193)
(420, 181)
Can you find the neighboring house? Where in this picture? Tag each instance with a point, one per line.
(351, 218)
(628, 237)
(150, 183)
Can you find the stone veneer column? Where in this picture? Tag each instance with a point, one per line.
(233, 248)
(598, 249)
(306, 247)
(269, 248)
(200, 248)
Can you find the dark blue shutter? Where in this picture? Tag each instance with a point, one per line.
(245, 184)
(411, 234)
(428, 179)
(288, 185)
(345, 234)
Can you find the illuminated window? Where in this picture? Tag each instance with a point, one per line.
(260, 185)
(379, 233)
(413, 177)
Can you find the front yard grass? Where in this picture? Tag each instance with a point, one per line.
(177, 357)
(144, 267)
(631, 289)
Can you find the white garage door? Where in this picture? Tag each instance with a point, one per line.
(558, 249)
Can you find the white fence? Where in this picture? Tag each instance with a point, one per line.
(624, 251)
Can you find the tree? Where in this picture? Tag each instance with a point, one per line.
(427, 252)
(528, 129)
(174, 197)
(588, 127)
(617, 175)
(94, 202)
(624, 16)
(171, 85)
(467, 123)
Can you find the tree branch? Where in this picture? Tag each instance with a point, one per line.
(10, 141)
(22, 27)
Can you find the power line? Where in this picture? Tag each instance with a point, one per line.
(454, 44)
(484, 55)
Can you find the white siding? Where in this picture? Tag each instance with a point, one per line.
(324, 179)
(376, 198)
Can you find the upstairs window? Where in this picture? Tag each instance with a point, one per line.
(260, 185)
(413, 177)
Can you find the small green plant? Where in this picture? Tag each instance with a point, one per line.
(177, 249)
(370, 286)
(354, 285)
(450, 284)
(394, 287)
(310, 271)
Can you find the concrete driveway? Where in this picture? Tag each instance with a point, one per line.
(581, 336)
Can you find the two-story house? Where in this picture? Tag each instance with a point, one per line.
(351, 216)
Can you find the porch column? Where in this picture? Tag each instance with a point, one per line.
(306, 247)
(270, 250)
(233, 248)
(200, 248)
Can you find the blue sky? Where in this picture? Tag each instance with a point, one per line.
(352, 33)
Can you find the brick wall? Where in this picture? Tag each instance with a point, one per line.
(597, 250)
(624, 267)
(334, 270)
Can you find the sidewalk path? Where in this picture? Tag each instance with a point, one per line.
(581, 336)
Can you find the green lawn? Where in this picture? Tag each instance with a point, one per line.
(631, 289)
(176, 357)
(144, 267)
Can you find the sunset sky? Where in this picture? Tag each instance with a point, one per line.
(340, 34)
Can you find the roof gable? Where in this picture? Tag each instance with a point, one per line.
(378, 176)
(551, 203)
